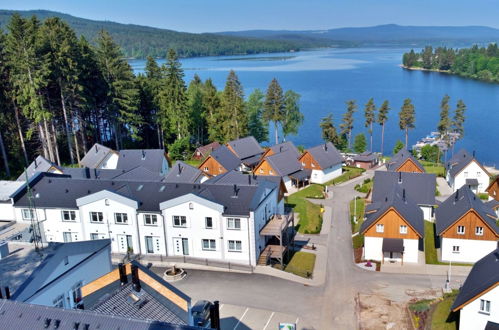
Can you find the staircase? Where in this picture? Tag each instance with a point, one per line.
(264, 258)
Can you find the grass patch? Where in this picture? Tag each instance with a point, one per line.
(430, 244)
(193, 162)
(365, 186)
(433, 168)
(483, 196)
(348, 174)
(358, 240)
(310, 213)
(442, 318)
(301, 264)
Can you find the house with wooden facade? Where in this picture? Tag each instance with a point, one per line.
(248, 150)
(494, 205)
(286, 165)
(324, 161)
(282, 147)
(220, 161)
(404, 161)
(478, 298)
(493, 189)
(204, 151)
(366, 160)
(464, 169)
(466, 227)
(393, 229)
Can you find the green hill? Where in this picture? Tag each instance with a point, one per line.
(141, 41)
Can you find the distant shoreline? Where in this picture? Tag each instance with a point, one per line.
(417, 68)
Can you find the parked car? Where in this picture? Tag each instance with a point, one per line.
(201, 313)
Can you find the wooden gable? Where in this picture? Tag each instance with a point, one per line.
(232, 150)
(264, 168)
(470, 220)
(392, 221)
(409, 166)
(308, 162)
(212, 167)
(493, 189)
(267, 152)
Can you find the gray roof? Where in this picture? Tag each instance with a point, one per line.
(284, 163)
(401, 156)
(226, 158)
(326, 155)
(457, 204)
(207, 149)
(366, 156)
(483, 275)
(252, 161)
(62, 192)
(419, 187)
(246, 147)
(459, 161)
(18, 315)
(407, 208)
(286, 146)
(183, 173)
(7, 188)
(493, 204)
(95, 155)
(40, 164)
(151, 159)
(472, 182)
(138, 173)
(39, 275)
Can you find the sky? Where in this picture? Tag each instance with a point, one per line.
(235, 15)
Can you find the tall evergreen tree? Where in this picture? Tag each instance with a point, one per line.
(292, 117)
(407, 118)
(174, 116)
(4, 104)
(214, 116)
(197, 113)
(236, 125)
(152, 88)
(444, 123)
(328, 129)
(458, 119)
(257, 126)
(360, 143)
(370, 114)
(382, 118)
(274, 106)
(347, 124)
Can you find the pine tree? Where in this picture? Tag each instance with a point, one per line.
(370, 114)
(212, 104)
(399, 145)
(329, 133)
(236, 125)
(197, 112)
(257, 127)
(151, 89)
(382, 118)
(4, 104)
(174, 116)
(274, 106)
(459, 117)
(407, 118)
(360, 143)
(292, 118)
(347, 125)
(444, 123)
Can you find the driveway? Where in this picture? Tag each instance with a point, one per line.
(330, 306)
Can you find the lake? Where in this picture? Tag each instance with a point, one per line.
(327, 78)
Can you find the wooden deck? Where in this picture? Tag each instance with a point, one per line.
(276, 225)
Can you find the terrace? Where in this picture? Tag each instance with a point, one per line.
(280, 232)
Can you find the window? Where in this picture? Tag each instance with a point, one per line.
(465, 174)
(76, 292)
(235, 246)
(484, 306)
(460, 230)
(261, 171)
(403, 229)
(455, 249)
(209, 244)
(59, 301)
(28, 214)
(234, 223)
(380, 228)
(67, 237)
(149, 244)
(479, 231)
(150, 219)
(179, 221)
(209, 222)
(313, 165)
(302, 163)
(96, 216)
(121, 218)
(478, 174)
(68, 215)
(94, 236)
(191, 206)
(206, 169)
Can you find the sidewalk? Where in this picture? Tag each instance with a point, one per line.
(423, 269)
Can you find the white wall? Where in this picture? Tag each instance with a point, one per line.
(110, 162)
(469, 250)
(471, 317)
(88, 271)
(471, 171)
(373, 250)
(7, 211)
(411, 250)
(325, 175)
(261, 215)
(427, 213)
(156, 231)
(287, 182)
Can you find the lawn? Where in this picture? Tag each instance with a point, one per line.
(430, 246)
(310, 213)
(358, 240)
(437, 169)
(348, 173)
(193, 162)
(365, 186)
(301, 264)
(442, 318)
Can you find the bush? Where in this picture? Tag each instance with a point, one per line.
(483, 196)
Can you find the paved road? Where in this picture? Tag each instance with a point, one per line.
(330, 306)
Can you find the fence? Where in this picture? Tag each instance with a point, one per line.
(187, 260)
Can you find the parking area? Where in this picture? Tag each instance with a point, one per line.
(239, 317)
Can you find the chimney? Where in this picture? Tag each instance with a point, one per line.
(1, 295)
(325, 146)
(215, 315)
(456, 197)
(403, 195)
(7, 293)
(135, 278)
(249, 179)
(87, 172)
(179, 169)
(36, 164)
(122, 271)
(280, 149)
(400, 177)
(95, 173)
(143, 154)
(236, 190)
(96, 149)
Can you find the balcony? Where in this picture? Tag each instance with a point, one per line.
(279, 232)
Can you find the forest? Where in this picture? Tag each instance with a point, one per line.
(141, 41)
(480, 63)
(59, 94)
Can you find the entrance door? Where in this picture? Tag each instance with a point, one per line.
(181, 246)
(149, 244)
(124, 242)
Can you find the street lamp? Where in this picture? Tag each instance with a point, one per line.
(355, 210)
